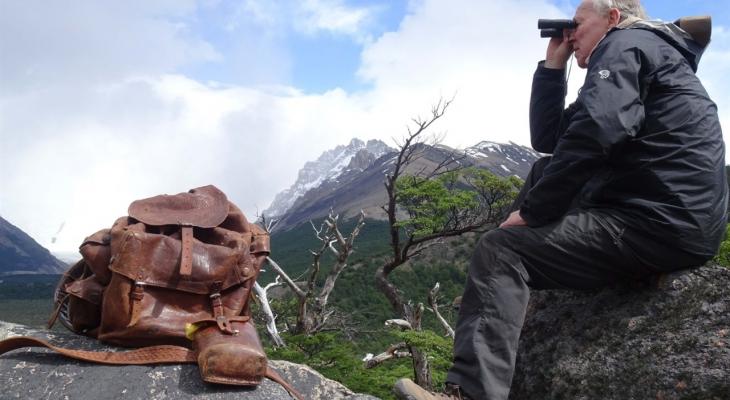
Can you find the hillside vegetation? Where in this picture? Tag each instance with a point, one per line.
(337, 354)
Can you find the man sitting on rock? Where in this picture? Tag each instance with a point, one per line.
(635, 186)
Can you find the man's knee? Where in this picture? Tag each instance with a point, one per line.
(498, 238)
(495, 266)
(489, 247)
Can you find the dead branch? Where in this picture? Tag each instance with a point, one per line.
(265, 223)
(433, 302)
(421, 247)
(305, 319)
(389, 354)
(263, 297)
(403, 324)
(322, 321)
(358, 227)
(317, 232)
(342, 255)
(293, 286)
(277, 282)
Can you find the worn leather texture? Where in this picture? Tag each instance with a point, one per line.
(230, 359)
(204, 207)
(173, 262)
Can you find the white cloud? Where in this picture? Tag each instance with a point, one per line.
(332, 16)
(105, 116)
(310, 17)
(484, 52)
(58, 43)
(81, 149)
(84, 163)
(265, 13)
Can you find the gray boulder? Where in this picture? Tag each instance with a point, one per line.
(665, 340)
(40, 374)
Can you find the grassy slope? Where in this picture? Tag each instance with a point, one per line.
(26, 299)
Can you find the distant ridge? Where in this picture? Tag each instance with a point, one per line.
(350, 178)
(356, 155)
(20, 254)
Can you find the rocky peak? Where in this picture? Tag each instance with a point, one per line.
(358, 185)
(361, 160)
(377, 147)
(329, 165)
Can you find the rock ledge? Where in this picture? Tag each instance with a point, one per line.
(666, 341)
(40, 374)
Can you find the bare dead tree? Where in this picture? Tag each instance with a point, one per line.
(313, 315)
(408, 242)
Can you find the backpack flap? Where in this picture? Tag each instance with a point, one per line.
(204, 207)
(149, 301)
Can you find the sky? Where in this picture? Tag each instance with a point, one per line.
(104, 102)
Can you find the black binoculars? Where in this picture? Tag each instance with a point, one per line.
(554, 27)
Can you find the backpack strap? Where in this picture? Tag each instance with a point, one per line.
(274, 376)
(164, 354)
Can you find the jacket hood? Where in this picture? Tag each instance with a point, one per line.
(675, 36)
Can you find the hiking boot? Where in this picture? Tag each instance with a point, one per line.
(406, 389)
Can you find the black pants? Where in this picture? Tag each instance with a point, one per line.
(585, 249)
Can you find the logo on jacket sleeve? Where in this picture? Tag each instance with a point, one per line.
(604, 73)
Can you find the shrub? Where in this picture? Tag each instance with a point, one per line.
(338, 359)
(723, 255)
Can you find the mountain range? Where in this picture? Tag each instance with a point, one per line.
(352, 158)
(346, 179)
(350, 178)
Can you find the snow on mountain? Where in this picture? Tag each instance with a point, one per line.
(503, 159)
(349, 178)
(509, 151)
(357, 155)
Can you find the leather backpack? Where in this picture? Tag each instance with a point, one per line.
(175, 275)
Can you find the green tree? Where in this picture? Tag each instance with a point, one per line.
(439, 200)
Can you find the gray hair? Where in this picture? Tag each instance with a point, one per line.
(628, 8)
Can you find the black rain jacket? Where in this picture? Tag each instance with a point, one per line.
(642, 140)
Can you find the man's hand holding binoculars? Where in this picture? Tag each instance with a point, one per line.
(559, 49)
(558, 52)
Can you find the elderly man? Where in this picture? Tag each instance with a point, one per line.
(635, 186)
